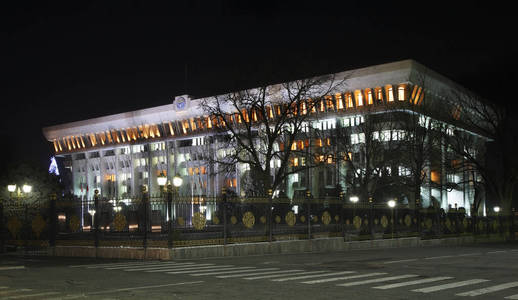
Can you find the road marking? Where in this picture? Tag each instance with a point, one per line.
(377, 280)
(232, 272)
(449, 286)
(214, 269)
(109, 264)
(343, 278)
(12, 268)
(399, 261)
(490, 289)
(515, 250)
(191, 268)
(512, 297)
(143, 266)
(14, 291)
(260, 273)
(3, 287)
(470, 254)
(158, 266)
(419, 281)
(439, 257)
(144, 287)
(184, 267)
(68, 297)
(34, 295)
(312, 276)
(281, 275)
(496, 252)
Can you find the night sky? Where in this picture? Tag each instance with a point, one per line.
(68, 61)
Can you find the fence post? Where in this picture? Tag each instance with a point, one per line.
(2, 234)
(170, 213)
(53, 217)
(417, 215)
(270, 215)
(27, 228)
(146, 217)
(224, 194)
(371, 219)
(308, 197)
(342, 206)
(96, 218)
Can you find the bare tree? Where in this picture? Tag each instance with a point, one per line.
(266, 128)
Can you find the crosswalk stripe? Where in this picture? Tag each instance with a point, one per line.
(193, 267)
(11, 268)
(281, 275)
(419, 281)
(343, 278)
(283, 272)
(399, 261)
(214, 269)
(68, 297)
(144, 266)
(111, 264)
(183, 267)
(3, 287)
(34, 295)
(491, 289)
(312, 276)
(512, 297)
(449, 285)
(232, 272)
(7, 292)
(377, 280)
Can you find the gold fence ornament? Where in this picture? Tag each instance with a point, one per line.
(248, 219)
(357, 221)
(233, 220)
(74, 223)
(14, 225)
(384, 221)
(277, 219)
(199, 220)
(337, 218)
(428, 223)
(215, 219)
(408, 220)
(290, 218)
(38, 224)
(326, 218)
(181, 221)
(119, 222)
(262, 219)
(302, 219)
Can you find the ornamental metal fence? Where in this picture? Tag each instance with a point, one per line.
(169, 221)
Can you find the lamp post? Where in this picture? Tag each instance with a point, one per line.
(354, 200)
(177, 182)
(392, 205)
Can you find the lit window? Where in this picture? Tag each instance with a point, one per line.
(379, 94)
(339, 101)
(354, 138)
(401, 93)
(390, 95)
(359, 97)
(349, 100)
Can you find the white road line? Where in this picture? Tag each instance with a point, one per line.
(419, 281)
(2, 293)
(3, 287)
(143, 287)
(496, 252)
(377, 280)
(12, 268)
(490, 289)
(313, 276)
(214, 269)
(143, 268)
(399, 261)
(191, 268)
(283, 272)
(112, 264)
(68, 297)
(512, 297)
(439, 257)
(449, 286)
(343, 278)
(470, 254)
(184, 267)
(34, 295)
(515, 250)
(281, 275)
(233, 272)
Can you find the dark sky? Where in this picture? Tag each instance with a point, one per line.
(63, 62)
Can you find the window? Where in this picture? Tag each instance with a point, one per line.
(389, 91)
(346, 122)
(349, 100)
(359, 97)
(354, 138)
(401, 93)
(376, 135)
(403, 171)
(339, 101)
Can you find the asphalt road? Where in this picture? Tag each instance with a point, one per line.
(473, 272)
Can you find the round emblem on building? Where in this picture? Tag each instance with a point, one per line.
(198, 221)
(180, 103)
(314, 219)
(290, 218)
(262, 219)
(248, 219)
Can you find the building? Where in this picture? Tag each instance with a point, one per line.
(118, 154)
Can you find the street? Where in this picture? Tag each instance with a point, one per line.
(487, 271)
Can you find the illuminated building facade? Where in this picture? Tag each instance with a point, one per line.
(118, 154)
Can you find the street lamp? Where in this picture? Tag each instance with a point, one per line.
(392, 205)
(161, 179)
(354, 200)
(496, 209)
(27, 188)
(11, 188)
(177, 181)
